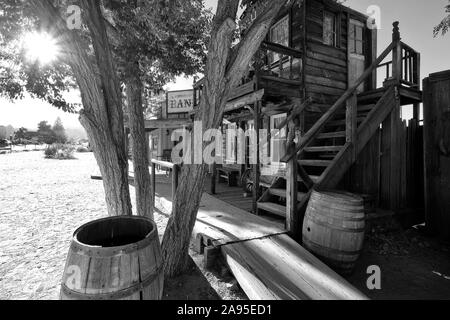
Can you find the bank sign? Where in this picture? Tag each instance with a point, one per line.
(180, 101)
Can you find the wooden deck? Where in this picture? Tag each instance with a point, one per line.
(231, 195)
(265, 261)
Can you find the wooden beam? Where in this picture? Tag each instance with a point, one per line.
(245, 100)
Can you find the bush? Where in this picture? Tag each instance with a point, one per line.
(82, 150)
(60, 152)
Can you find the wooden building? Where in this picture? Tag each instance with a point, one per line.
(175, 114)
(319, 69)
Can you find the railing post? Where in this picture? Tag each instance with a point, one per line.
(256, 167)
(153, 186)
(397, 54)
(175, 172)
(417, 80)
(214, 179)
(352, 120)
(292, 219)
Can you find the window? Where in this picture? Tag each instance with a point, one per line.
(329, 29)
(278, 142)
(231, 143)
(279, 34)
(356, 38)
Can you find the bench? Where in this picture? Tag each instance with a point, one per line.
(5, 150)
(228, 175)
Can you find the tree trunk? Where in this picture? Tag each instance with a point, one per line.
(224, 68)
(179, 229)
(140, 147)
(102, 116)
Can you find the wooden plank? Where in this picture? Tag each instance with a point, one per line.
(315, 163)
(246, 100)
(324, 65)
(324, 149)
(324, 73)
(322, 81)
(310, 87)
(223, 223)
(277, 268)
(329, 59)
(274, 208)
(328, 51)
(332, 135)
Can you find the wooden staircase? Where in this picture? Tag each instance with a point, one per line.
(329, 149)
(329, 155)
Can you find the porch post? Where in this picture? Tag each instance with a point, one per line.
(256, 168)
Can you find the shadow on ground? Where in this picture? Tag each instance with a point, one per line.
(191, 286)
(413, 265)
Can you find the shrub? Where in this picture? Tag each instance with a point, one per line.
(82, 149)
(60, 152)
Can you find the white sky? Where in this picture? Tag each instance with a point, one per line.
(417, 20)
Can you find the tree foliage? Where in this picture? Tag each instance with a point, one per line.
(19, 76)
(444, 25)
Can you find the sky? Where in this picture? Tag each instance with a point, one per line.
(417, 20)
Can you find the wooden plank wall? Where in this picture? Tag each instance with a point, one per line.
(326, 67)
(372, 174)
(437, 152)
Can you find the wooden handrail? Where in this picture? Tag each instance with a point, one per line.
(407, 47)
(308, 138)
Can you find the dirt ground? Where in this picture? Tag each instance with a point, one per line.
(43, 201)
(413, 265)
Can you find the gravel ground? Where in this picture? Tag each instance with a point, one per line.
(42, 202)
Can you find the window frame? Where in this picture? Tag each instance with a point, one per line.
(352, 38)
(273, 140)
(272, 55)
(335, 28)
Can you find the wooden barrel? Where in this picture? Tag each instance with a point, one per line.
(334, 229)
(115, 258)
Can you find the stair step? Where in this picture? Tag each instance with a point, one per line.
(366, 108)
(282, 193)
(314, 179)
(342, 122)
(324, 149)
(332, 135)
(315, 163)
(327, 156)
(274, 208)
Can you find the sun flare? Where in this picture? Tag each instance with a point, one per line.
(40, 47)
